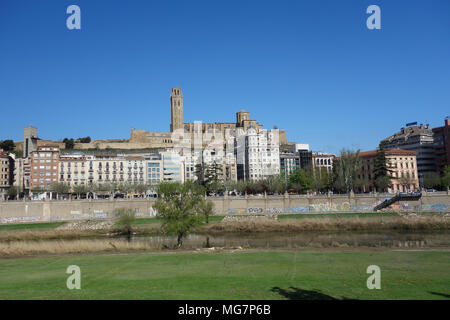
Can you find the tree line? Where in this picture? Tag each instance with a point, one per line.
(69, 143)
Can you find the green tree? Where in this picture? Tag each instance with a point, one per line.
(200, 174)
(18, 153)
(7, 145)
(206, 208)
(241, 186)
(84, 140)
(431, 180)
(125, 219)
(274, 184)
(12, 192)
(346, 169)
(79, 189)
(301, 179)
(212, 175)
(382, 170)
(382, 183)
(69, 143)
(445, 180)
(141, 188)
(60, 188)
(178, 206)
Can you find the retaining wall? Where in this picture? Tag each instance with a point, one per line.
(33, 211)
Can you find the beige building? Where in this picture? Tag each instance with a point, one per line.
(135, 169)
(6, 173)
(323, 160)
(73, 170)
(402, 163)
(21, 173)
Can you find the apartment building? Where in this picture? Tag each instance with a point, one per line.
(441, 138)
(418, 138)
(135, 169)
(21, 173)
(154, 164)
(402, 163)
(289, 162)
(6, 173)
(106, 168)
(172, 166)
(73, 170)
(322, 160)
(44, 164)
(258, 154)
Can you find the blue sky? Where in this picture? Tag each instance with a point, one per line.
(309, 67)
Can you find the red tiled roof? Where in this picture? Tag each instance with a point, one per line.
(390, 152)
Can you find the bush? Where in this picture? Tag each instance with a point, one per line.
(125, 220)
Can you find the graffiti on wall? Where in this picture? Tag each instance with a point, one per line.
(305, 209)
(20, 219)
(436, 207)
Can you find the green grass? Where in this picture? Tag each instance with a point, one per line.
(239, 275)
(30, 226)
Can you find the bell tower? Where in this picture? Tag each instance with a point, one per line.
(176, 109)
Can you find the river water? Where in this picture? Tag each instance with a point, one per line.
(393, 240)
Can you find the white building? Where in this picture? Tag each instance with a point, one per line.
(258, 155)
(73, 170)
(323, 160)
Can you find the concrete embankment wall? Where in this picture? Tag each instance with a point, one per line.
(34, 211)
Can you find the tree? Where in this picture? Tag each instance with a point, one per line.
(200, 174)
(301, 179)
(7, 145)
(206, 208)
(382, 170)
(125, 220)
(241, 186)
(69, 143)
(12, 192)
(18, 153)
(84, 140)
(445, 180)
(431, 180)
(382, 183)
(79, 189)
(406, 181)
(60, 188)
(346, 170)
(141, 188)
(274, 184)
(211, 177)
(178, 205)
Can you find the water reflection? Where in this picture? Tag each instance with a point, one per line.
(399, 240)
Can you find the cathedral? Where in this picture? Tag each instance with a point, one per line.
(177, 125)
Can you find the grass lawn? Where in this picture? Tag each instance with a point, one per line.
(226, 275)
(30, 226)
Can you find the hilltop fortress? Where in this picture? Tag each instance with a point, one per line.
(142, 139)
